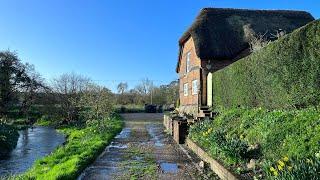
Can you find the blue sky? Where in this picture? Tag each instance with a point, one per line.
(111, 40)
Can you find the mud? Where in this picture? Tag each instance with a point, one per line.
(143, 151)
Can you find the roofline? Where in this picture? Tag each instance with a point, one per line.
(186, 34)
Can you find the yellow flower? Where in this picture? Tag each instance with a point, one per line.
(289, 168)
(204, 134)
(280, 167)
(285, 159)
(272, 169)
(275, 173)
(281, 163)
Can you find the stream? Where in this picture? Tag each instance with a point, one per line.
(33, 143)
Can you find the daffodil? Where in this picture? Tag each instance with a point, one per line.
(275, 173)
(204, 134)
(285, 159)
(272, 169)
(280, 167)
(281, 163)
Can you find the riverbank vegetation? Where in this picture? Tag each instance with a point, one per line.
(83, 145)
(8, 138)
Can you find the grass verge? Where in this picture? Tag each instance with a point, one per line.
(82, 147)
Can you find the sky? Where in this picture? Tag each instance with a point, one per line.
(111, 41)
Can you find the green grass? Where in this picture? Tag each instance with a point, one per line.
(82, 147)
(46, 122)
(283, 75)
(279, 133)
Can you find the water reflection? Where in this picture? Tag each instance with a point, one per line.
(33, 144)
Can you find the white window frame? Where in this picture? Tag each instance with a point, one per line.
(185, 89)
(188, 61)
(195, 87)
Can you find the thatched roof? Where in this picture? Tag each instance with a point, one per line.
(219, 33)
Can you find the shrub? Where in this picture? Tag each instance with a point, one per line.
(8, 138)
(284, 74)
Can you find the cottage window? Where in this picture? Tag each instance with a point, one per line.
(195, 87)
(185, 89)
(188, 62)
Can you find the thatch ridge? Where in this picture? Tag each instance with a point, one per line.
(218, 32)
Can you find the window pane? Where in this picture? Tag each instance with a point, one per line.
(188, 62)
(195, 87)
(185, 89)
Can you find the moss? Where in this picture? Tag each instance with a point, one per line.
(285, 74)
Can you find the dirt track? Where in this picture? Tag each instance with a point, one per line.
(143, 151)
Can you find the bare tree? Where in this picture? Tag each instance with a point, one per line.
(122, 87)
(68, 88)
(145, 88)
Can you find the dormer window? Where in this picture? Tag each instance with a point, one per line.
(188, 62)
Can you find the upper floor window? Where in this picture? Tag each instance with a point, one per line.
(188, 62)
(185, 89)
(195, 87)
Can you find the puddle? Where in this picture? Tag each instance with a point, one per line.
(156, 138)
(158, 144)
(118, 146)
(169, 167)
(125, 133)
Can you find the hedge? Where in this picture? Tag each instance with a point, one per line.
(285, 74)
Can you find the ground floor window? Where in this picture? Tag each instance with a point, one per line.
(185, 89)
(195, 87)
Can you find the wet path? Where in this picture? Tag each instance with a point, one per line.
(142, 151)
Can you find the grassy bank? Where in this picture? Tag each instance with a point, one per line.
(82, 147)
(283, 143)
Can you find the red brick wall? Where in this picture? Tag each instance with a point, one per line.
(194, 74)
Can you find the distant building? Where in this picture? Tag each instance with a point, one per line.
(219, 37)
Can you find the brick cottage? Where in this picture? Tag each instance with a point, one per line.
(219, 37)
